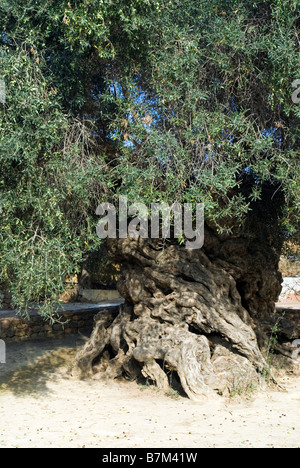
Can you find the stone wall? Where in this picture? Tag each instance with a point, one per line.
(77, 319)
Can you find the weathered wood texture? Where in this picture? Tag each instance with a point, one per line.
(193, 312)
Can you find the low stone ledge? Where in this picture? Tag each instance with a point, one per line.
(75, 318)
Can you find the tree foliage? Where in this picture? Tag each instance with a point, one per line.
(159, 100)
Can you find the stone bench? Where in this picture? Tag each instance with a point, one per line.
(75, 317)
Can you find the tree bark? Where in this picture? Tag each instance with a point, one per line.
(195, 313)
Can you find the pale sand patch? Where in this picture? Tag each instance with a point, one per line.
(42, 406)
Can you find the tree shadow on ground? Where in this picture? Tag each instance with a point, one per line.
(31, 366)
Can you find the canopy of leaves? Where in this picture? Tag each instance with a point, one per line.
(158, 100)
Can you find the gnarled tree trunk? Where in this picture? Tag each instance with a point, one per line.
(193, 312)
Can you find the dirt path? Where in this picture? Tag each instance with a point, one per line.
(42, 406)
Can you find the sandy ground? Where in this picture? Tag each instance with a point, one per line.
(41, 405)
